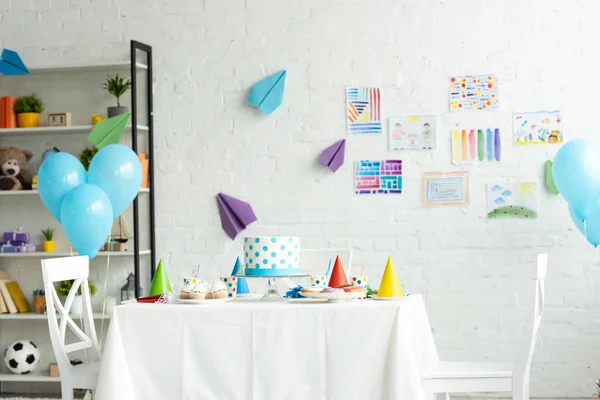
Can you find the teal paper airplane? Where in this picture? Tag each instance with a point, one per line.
(11, 63)
(109, 131)
(267, 94)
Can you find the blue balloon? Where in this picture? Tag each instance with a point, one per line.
(590, 228)
(117, 170)
(58, 175)
(87, 218)
(576, 176)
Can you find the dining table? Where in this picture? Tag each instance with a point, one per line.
(253, 350)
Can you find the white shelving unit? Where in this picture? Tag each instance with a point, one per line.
(66, 80)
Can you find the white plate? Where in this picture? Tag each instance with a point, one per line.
(248, 296)
(388, 298)
(336, 296)
(306, 300)
(203, 301)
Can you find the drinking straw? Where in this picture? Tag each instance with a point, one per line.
(328, 267)
(197, 272)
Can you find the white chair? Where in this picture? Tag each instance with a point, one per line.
(82, 376)
(315, 262)
(461, 377)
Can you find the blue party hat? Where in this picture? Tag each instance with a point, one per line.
(242, 285)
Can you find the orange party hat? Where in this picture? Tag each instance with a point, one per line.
(338, 276)
(390, 285)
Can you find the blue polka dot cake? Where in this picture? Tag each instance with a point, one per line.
(272, 255)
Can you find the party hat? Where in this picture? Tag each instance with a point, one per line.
(160, 283)
(338, 276)
(390, 285)
(242, 285)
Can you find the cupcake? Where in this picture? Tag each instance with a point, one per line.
(186, 289)
(198, 292)
(217, 291)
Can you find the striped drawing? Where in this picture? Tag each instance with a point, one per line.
(476, 145)
(378, 177)
(363, 110)
(473, 92)
(445, 189)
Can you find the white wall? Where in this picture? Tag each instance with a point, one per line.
(474, 272)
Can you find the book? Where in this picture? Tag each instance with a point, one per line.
(18, 297)
(8, 118)
(10, 304)
(3, 308)
(3, 274)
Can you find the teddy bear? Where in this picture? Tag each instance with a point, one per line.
(13, 175)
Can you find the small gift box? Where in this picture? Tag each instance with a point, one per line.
(7, 248)
(17, 236)
(27, 248)
(13, 243)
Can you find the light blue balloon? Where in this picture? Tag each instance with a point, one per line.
(58, 175)
(590, 228)
(576, 175)
(87, 218)
(117, 170)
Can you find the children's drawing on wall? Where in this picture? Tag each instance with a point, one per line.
(476, 145)
(363, 107)
(378, 177)
(474, 92)
(539, 127)
(449, 189)
(414, 132)
(512, 200)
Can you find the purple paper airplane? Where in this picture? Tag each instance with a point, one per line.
(235, 214)
(333, 156)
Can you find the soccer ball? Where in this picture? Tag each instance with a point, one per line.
(21, 357)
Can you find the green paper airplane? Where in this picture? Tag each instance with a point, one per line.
(550, 179)
(160, 283)
(109, 131)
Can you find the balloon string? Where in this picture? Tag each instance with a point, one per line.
(104, 297)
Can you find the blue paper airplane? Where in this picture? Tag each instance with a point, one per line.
(242, 285)
(11, 63)
(267, 94)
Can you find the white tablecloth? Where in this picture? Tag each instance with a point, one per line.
(267, 351)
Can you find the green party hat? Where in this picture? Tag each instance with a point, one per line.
(160, 283)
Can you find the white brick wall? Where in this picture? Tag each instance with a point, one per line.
(473, 271)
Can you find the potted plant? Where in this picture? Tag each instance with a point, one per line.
(64, 287)
(28, 109)
(86, 156)
(49, 240)
(116, 86)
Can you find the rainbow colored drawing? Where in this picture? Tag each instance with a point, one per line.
(476, 145)
(474, 92)
(378, 177)
(445, 189)
(363, 110)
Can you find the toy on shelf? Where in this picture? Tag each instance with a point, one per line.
(16, 242)
(21, 357)
(13, 175)
(97, 118)
(119, 235)
(34, 184)
(48, 243)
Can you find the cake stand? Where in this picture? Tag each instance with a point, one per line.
(272, 293)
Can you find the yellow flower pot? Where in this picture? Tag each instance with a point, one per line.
(48, 246)
(28, 120)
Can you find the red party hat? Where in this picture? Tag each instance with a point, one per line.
(338, 276)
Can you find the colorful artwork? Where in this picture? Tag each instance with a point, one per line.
(364, 111)
(378, 177)
(512, 200)
(415, 132)
(539, 127)
(445, 189)
(473, 145)
(473, 92)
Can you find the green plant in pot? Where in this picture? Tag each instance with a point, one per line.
(28, 110)
(63, 289)
(48, 240)
(86, 156)
(117, 86)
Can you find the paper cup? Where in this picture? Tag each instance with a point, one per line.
(231, 283)
(359, 280)
(319, 280)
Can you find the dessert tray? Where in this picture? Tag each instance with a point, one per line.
(343, 296)
(203, 301)
(306, 300)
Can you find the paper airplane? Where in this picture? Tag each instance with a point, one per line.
(109, 131)
(242, 285)
(550, 179)
(11, 63)
(333, 156)
(235, 214)
(267, 94)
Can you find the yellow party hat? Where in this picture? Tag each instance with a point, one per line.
(390, 285)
